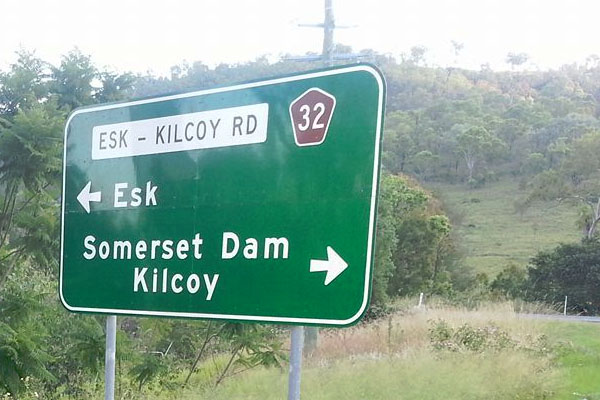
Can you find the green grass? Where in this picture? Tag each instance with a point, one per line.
(493, 234)
(420, 376)
(578, 359)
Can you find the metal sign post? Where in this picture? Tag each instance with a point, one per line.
(109, 364)
(296, 347)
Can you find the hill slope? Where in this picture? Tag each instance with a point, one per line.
(493, 234)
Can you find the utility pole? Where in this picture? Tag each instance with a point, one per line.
(311, 333)
(329, 26)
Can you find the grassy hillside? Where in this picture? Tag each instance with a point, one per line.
(493, 354)
(493, 234)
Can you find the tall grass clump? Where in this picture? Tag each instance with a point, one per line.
(433, 352)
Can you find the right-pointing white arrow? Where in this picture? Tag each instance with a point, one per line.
(85, 196)
(334, 265)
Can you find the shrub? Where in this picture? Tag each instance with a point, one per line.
(468, 338)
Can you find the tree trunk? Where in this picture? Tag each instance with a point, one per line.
(470, 165)
(207, 340)
(595, 220)
(436, 262)
(233, 355)
(9, 267)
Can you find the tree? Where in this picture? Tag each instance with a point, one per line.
(569, 270)
(475, 144)
(400, 141)
(396, 200)
(30, 167)
(510, 130)
(577, 180)
(424, 162)
(24, 356)
(420, 253)
(581, 169)
(413, 241)
(114, 87)
(73, 80)
(25, 85)
(535, 163)
(417, 54)
(510, 281)
(516, 59)
(250, 346)
(457, 47)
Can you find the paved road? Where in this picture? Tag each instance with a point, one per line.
(560, 317)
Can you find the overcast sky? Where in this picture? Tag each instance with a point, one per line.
(152, 35)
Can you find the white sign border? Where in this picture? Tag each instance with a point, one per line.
(292, 320)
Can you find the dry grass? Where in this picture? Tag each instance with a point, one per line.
(407, 332)
(394, 359)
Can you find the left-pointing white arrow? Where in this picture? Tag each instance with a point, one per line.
(334, 265)
(85, 196)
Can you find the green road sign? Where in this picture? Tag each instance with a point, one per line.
(253, 202)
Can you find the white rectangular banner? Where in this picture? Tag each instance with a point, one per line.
(234, 126)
